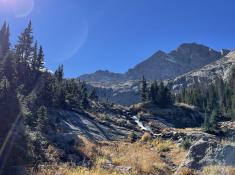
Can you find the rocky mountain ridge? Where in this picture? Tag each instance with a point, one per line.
(161, 65)
(126, 93)
(220, 68)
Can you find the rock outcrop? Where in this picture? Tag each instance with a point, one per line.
(220, 68)
(209, 151)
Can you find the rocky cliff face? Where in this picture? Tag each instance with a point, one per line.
(220, 68)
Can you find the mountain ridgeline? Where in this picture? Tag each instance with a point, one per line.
(162, 66)
(188, 65)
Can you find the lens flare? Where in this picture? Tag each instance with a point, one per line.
(20, 8)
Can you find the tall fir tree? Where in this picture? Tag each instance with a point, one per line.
(24, 56)
(59, 73)
(40, 59)
(4, 39)
(84, 96)
(153, 92)
(93, 95)
(144, 90)
(35, 56)
(24, 47)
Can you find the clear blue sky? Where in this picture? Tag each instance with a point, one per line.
(87, 35)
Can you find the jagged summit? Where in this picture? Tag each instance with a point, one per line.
(162, 65)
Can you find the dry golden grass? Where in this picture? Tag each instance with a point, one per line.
(87, 147)
(70, 170)
(218, 170)
(164, 146)
(138, 156)
(143, 158)
(186, 171)
(146, 137)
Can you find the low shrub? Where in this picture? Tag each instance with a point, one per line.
(186, 144)
(146, 137)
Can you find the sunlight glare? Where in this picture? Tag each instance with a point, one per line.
(20, 8)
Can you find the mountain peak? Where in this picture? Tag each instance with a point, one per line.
(161, 65)
(159, 53)
(193, 47)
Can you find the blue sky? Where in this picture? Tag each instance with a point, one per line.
(87, 35)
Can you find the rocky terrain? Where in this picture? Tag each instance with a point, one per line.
(208, 73)
(116, 92)
(106, 142)
(66, 133)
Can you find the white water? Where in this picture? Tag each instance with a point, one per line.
(141, 125)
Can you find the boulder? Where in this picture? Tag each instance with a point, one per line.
(208, 151)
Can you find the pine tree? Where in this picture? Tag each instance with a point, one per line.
(46, 93)
(42, 118)
(61, 96)
(161, 93)
(93, 95)
(4, 91)
(59, 73)
(40, 59)
(9, 69)
(144, 90)
(24, 48)
(153, 92)
(4, 39)
(35, 56)
(24, 56)
(84, 96)
(214, 119)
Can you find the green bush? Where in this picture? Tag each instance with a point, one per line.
(186, 144)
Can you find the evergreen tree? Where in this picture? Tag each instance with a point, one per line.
(9, 69)
(168, 97)
(60, 95)
(214, 119)
(59, 73)
(24, 48)
(24, 56)
(35, 56)
(46, 93)
(4, 90)
(4, 39)
(144, 90)
(93, 95)
(161, 93)
(153, 92)
(40, 60)
(42, 118)
(84, 96)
